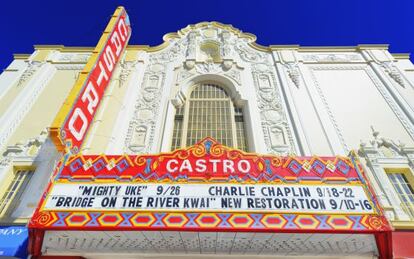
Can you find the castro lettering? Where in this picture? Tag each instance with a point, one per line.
(87, 103)
(208, 165)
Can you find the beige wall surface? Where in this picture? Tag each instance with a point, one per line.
(46, 107)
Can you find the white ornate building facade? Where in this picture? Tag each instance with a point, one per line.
(282, 100)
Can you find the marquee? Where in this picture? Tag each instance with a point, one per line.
(209, 187)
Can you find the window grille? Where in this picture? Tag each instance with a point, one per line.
(404, 190)
(209, 112)
(14, 191)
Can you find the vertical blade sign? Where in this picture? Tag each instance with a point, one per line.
(75, 117)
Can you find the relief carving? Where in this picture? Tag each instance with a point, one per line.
(293, 73)
(191, 48)
(393, 72)
(208, 68)
(28, 149)
(226, 49)
(334, 58)
(274, 122)
(126, 69)
(139, 136)
(73, 58)
(32, 67)
(277, 137)
(141, 129)
(249, 55)
(175, 50)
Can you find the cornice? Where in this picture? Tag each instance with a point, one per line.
(284, 47)
(169, 37)
(401, 55)
(21, 56)
(403, 224)
(372, 46)
(63, 48)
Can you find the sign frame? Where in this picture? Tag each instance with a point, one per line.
(287, 169)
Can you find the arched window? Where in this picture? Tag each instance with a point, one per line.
(209, 112)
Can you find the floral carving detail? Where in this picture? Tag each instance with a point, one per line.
(332, 57)
(141, 130)
(168, 55)
(208, 68)
(293, 73)
(126, 69)
(393, 72)
(32, 67)
(248, 54)
(276, 131)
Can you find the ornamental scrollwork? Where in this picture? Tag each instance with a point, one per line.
(393, 72)
(141, 129)
(278, 137)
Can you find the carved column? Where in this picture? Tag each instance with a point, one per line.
(301, 142)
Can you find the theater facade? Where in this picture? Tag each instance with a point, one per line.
(207, 145)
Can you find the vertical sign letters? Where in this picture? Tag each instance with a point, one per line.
(86, 95)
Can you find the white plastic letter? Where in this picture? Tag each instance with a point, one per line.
(117, 42)
(109, 58)
(169, 168)
(123, 30)
(228, 164)
(92, 99)
(78, 134)
(102, 74)
(201, 165)
(246, 167)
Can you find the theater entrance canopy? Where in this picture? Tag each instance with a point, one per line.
(209, 199)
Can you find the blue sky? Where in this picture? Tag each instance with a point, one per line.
(304, 22)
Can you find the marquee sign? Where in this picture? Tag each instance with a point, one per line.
(208, 187)
(74, 118)
(209, 179)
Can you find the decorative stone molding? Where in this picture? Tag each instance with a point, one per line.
(378, 153)
(290, 62)
(208, 68)
(332, 58)
(28, 149)
(393, 72)
(235, 75)
(179, 99)
(69, 66)
(73, 57)
(226, 50)
(192, 45)
(32, 67)
(141, 130)
(184, 74)
(126, 68)
(248, 54)
(378, 142)
(278, 137)
(293, 73)
(175, 50)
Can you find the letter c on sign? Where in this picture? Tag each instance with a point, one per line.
(169, 165)
(78, 133)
